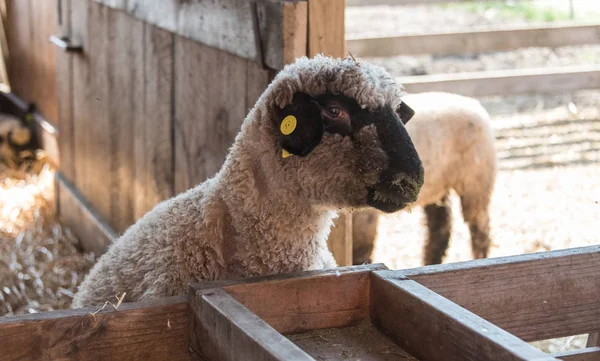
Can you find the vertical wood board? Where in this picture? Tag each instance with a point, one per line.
(153, 138)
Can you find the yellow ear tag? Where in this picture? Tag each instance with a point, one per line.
(285, 153)
(288, 125)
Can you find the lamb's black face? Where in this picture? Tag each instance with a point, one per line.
(386, 168)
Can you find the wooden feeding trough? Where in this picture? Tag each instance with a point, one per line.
(478, 310)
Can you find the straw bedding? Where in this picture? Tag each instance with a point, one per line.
(40, 265)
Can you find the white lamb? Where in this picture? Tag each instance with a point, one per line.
(326, 135)
(454, 139)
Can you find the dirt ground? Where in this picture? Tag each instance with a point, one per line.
(547, 194)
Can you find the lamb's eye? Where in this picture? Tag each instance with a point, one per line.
(334, 112)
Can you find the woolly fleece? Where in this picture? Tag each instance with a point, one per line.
(260, 214)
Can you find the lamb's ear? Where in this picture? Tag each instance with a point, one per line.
(405, 112)
(300, 125)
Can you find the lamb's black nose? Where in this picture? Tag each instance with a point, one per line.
(409, 186)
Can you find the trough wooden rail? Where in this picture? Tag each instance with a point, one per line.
(483, 310)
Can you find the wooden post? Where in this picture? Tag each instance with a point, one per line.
(326, 36)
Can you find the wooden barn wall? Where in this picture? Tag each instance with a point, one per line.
(146, 114)
(31, 62)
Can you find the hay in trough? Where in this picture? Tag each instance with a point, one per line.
(40, 265)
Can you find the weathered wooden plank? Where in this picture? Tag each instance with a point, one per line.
(326, 32)
(31, 65)
(94, 233)
(126, 99)
(42, 80)
(258, 79)
(223, 329)
(586, 354)
(508, 82)
(431, 327)
(92, 126)
(19, 35)
(474, 42)
(153, 330)
(303, 301)
(228, 25)
(282, 26)
(340, 240)
(64, 96)
(561, 297)
(153, 145)
(207, 117)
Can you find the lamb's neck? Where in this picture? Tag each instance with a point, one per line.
(269, 220)
(249, 191)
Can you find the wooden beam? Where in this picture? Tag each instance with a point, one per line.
(265, 36)
(474, 42)
(586, 354)
(508, 82)
(326, 32)
(289, 35)
(153, 330)
(340, 240)
(221, 328)
(93, 232)
(303, 301)
(431, 327)
(534, 296)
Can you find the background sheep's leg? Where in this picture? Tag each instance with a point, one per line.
(364, 233)
(439, 227)
(476, 215)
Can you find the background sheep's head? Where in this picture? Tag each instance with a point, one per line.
(343, 155)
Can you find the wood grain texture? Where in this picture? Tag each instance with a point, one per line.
(155, 330)
(475, 42)
(432, 328)
(586, 354)
(223, 329)
(91, 121)
(94, 234)
(153, 141)
(207, 117)
(283, 27)
(126, 84)
(31, 62)
(508, 82)
(227, 25)
(64, 97)
(257, 81)
(304, 301)
(326, 33)
(295, 30)
(533, 296)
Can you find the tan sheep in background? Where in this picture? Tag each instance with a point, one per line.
(455, 142)
(326, 135)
